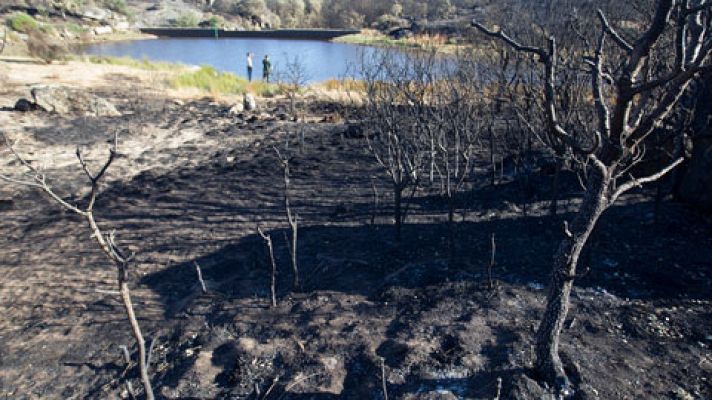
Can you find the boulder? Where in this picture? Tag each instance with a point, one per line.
(103, 30)
(122, 26)
(93, 13)
(66, 101)
(249, 102)
(24, 105)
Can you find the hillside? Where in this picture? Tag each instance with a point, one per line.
(72, 21)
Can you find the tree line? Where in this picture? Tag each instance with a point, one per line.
(339, 13)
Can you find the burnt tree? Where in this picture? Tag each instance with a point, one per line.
(121, 259)
(635, 86)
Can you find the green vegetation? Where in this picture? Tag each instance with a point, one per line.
(205, 78)
(23, 23)
(339, 13)
(216, 21)
(374, 38)
(134, 63)
(118, 6)
(187, 20)
(210, 80)
(75, 28)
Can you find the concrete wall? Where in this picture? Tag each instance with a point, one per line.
(311, 34)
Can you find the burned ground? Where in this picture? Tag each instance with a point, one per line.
(193, 186)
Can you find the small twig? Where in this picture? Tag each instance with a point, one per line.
(493, 251)
(567, 232)
(499, 389)
(298, 381)
(200, 277)
(110, 292)
(375, 202)
(127, 359)
(149, 356)
(383, 378)
(269, 390)
(126, 354)
(130, 390)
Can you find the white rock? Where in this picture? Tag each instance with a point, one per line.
(103, 30)
(249, 102)
(122, 26)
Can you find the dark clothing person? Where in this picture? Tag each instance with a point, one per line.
(266, 69)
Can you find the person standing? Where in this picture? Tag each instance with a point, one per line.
(249, 66)
(266, 68)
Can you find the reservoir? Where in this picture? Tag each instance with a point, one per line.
(321, 60)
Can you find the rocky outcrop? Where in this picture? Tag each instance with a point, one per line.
(93, 13)
(66, 101)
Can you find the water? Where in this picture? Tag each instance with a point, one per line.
(322, 60)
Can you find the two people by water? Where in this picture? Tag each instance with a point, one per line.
(266, 67)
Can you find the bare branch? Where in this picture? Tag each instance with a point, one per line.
(701, 7)
(499, 34)
(604, 119)
(203, 288)
(612, 32)
(638, 182)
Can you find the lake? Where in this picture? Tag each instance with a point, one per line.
(322, 60)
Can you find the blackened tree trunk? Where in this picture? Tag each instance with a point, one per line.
(398, 209)
(451, 227)
(554, 206)
(566, 259)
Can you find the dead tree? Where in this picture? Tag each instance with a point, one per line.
(107, 242)
(270, 250)
(393, 126)
(291, 79)
(455, 105)
(635, 85)
(292, 219)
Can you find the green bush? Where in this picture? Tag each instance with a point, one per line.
(118, 6)
(187, 20)
(75, 28)
(216, 21)
(23, 23)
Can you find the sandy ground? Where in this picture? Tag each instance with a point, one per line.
(192, 184)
